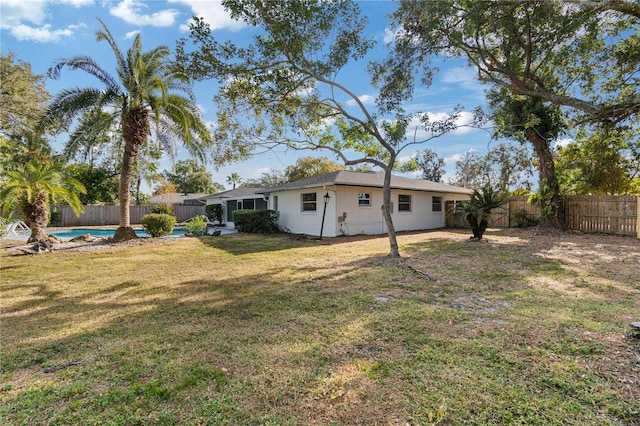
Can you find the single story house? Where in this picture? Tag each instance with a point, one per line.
(349, 203)
(183, 199)
(243, 198)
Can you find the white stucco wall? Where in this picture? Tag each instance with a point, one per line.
(294, 220)
(357, 219)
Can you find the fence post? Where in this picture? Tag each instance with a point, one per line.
(638, 216)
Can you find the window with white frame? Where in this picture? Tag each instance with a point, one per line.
(309, 202)
(364, 199)
(404, 203)
(436, 204)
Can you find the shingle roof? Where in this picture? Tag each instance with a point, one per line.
(369, 179)
(232, 193)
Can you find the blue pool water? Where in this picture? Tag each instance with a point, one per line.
(106, 233)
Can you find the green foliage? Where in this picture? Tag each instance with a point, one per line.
(476, 211)
(604, 161)
(24, 97)
(197, 226)
(215, 213)
(163, 209)
(33, 187)
(158, 224)
(146, 89)
(101, 183)
(55, 217)
(256, 221)
(544, 197)
(521, 219)
(310, 166)
(188, 176)
(234, 179)
(299, 98)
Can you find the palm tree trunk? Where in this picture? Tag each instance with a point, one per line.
(135, 129)
(37, 218)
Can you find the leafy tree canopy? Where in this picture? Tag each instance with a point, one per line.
(310, 166)
(285, 88)
(189, 176)
(101, 183)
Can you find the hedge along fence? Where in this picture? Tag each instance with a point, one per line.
(110, 215)
(610, 214)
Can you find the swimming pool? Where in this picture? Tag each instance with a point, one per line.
(68, 234)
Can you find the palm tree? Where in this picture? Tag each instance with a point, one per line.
(32, 187)
(476, 211)
(233, 179)
(144, 93)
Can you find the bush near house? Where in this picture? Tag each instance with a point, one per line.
(197, 226)
(215, 212)
(158, 224)
(163, 209)
(256, 221)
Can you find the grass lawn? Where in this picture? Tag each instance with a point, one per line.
(255, 330)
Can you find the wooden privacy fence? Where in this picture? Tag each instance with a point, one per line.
(110, 215)
(616, 214)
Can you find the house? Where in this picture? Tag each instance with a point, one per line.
(178, 198)
(237, 199)
(350, 203)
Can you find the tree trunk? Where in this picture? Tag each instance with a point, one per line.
(547, 172)
(135, 129)
(475, 228)
(386, 213)
(37, 218)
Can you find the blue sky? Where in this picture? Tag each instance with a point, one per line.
(41, 32)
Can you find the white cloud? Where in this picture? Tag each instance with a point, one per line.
(25, 20)
(131, 11)
(42, 34)
(452, 159)
(365, 99)
(463, 123)
(213, 14)
(562, 143)
(77, 3)
(262, 170)
(131, 34)
(15, 12)
(390, 35)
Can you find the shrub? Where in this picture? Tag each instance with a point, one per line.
(196, 226)
(55, 217)
(158, 224)
(215, 212)
(256, 221)
(163, 209)
(521, 219)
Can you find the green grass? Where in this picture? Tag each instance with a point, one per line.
(255, 330)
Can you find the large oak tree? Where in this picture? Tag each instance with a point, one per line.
(288, 89)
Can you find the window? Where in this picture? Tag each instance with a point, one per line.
(436, 204)
(309, 202)
(364, 199)
(275, 203)
(404, 203)
(249, 204)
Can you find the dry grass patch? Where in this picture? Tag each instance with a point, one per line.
(247, 330)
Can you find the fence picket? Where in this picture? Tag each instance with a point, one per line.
(587, 213)
(110, 215)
